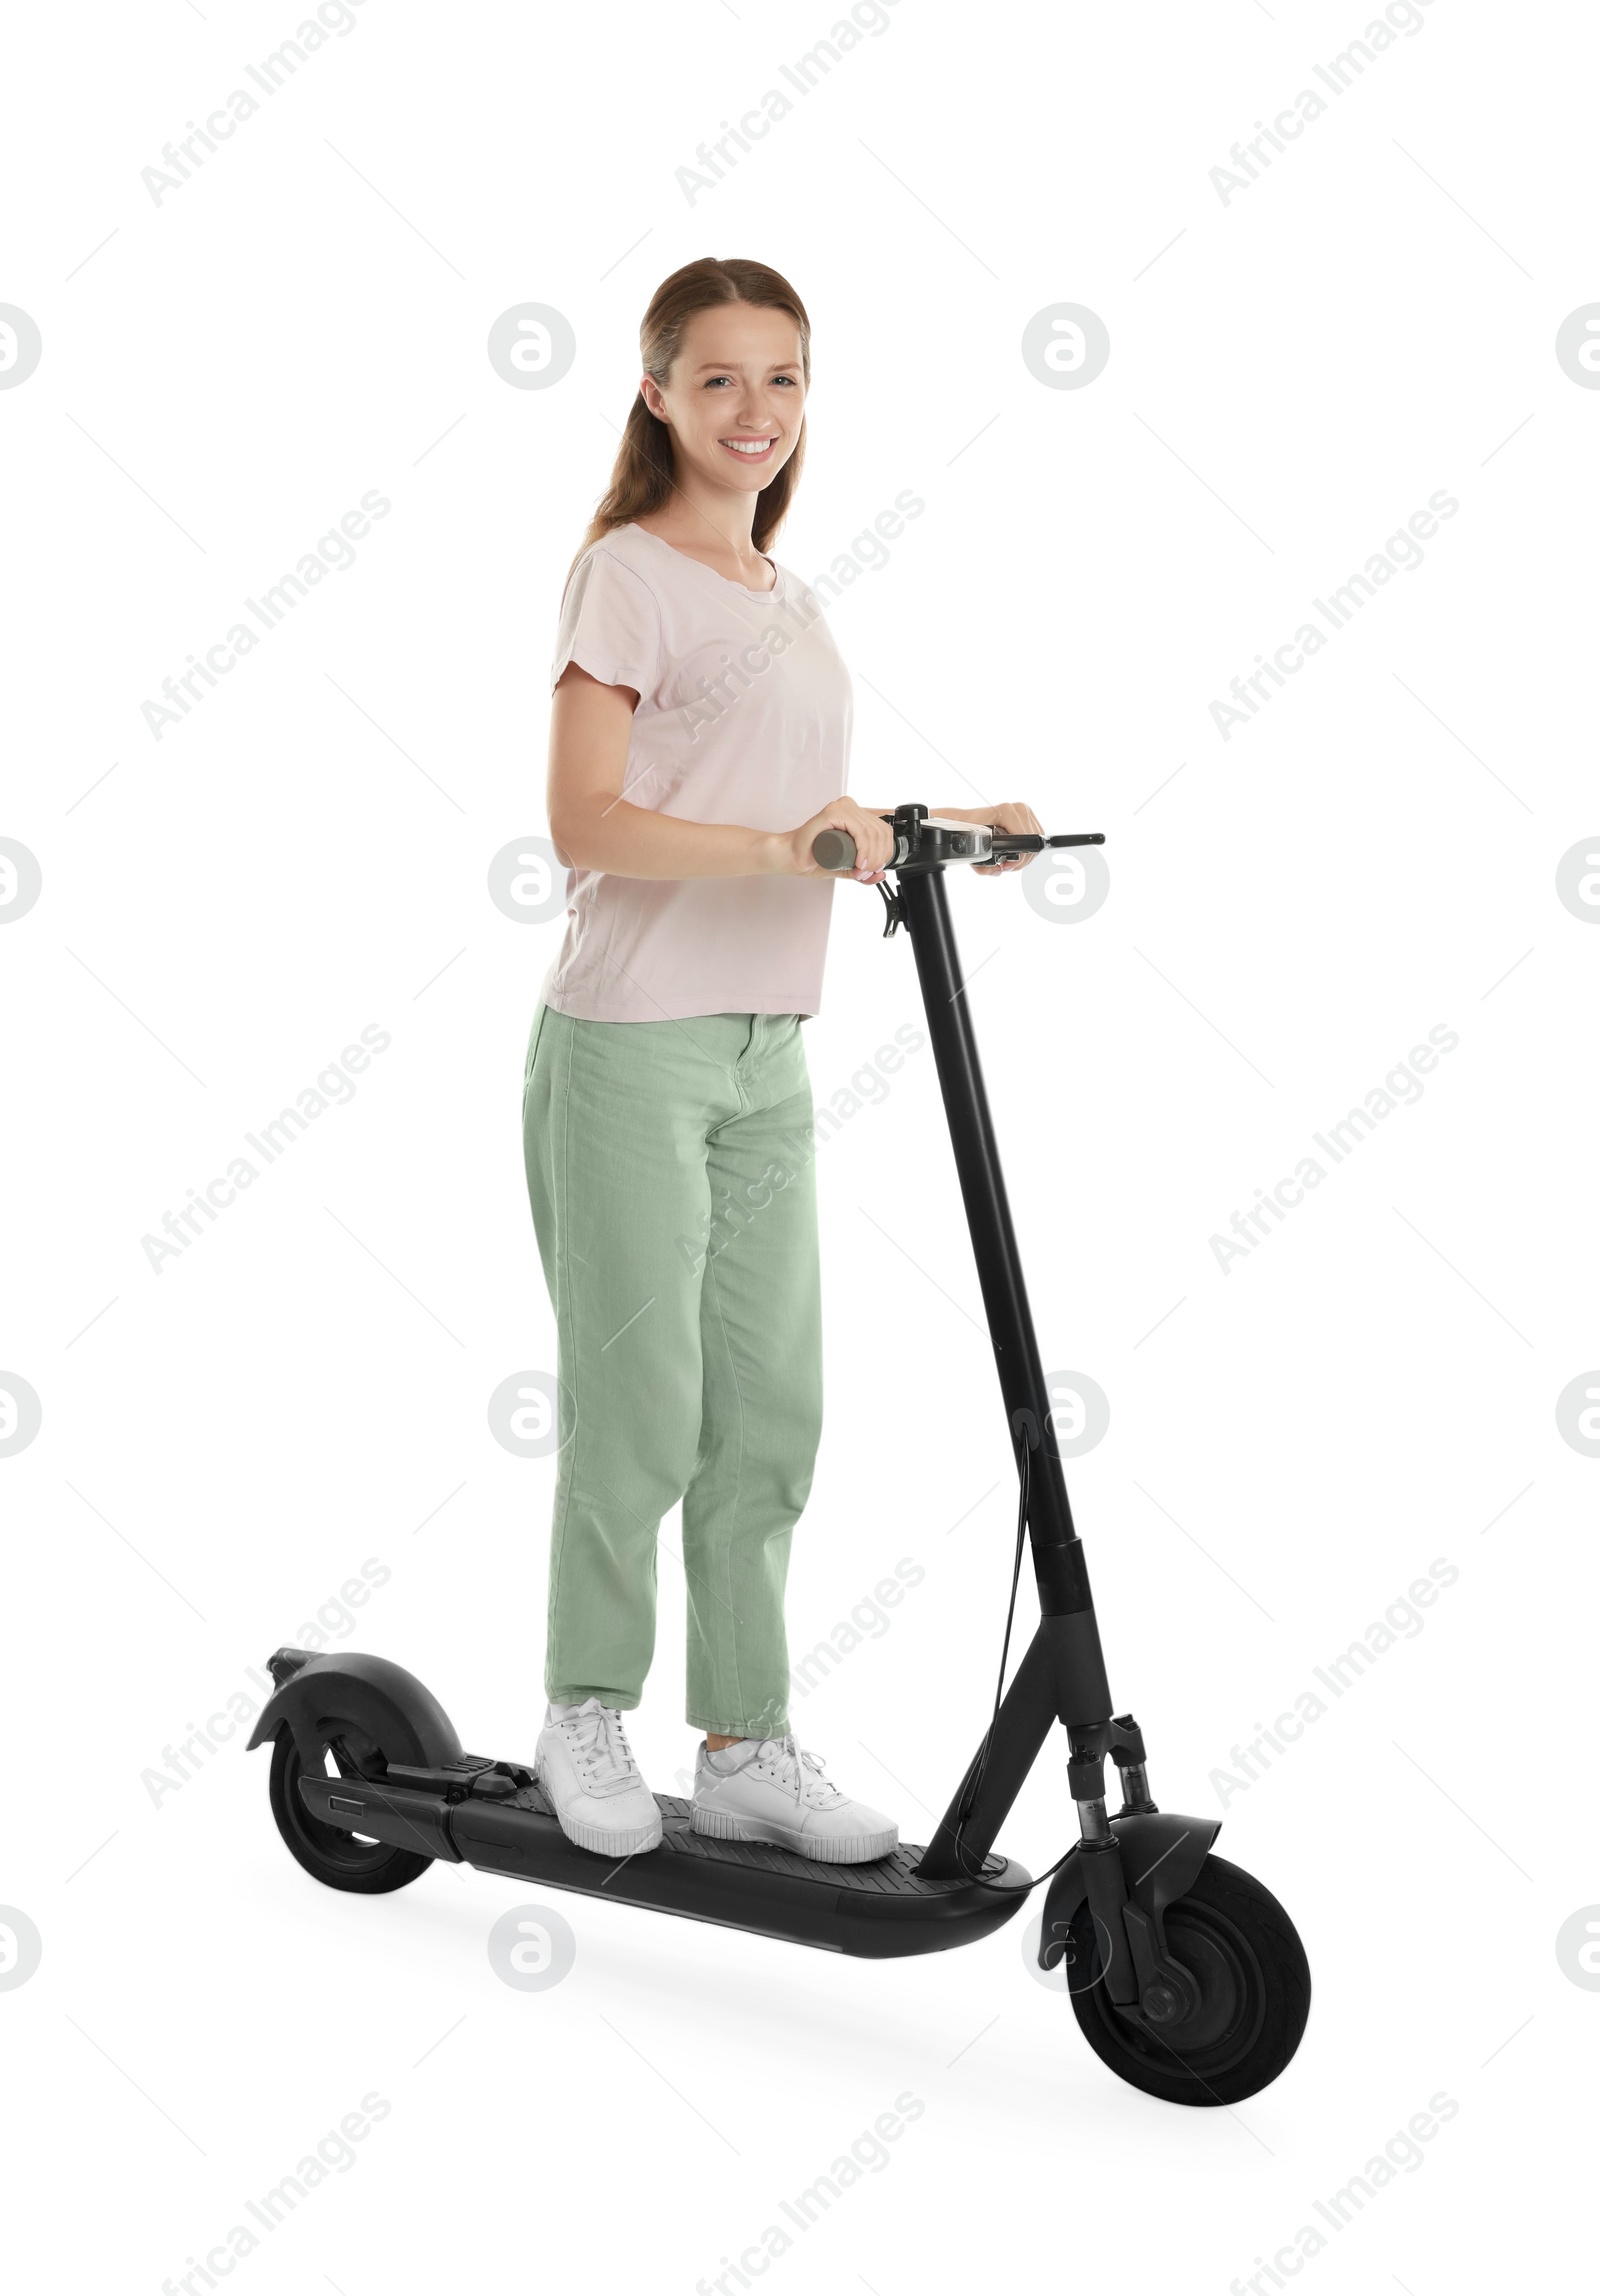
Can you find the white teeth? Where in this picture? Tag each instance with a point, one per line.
(747, 445)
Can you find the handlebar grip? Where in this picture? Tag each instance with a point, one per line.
(833, 849)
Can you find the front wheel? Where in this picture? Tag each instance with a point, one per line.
(343, 1861)
(1254, 1986)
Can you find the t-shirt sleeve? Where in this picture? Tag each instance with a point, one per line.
(610, 625)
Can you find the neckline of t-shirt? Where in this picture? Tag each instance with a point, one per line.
(726, 580)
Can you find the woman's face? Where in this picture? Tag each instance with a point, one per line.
(734, 396)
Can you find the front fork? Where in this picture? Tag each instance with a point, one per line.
(1128, 1868)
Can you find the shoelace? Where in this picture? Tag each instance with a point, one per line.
(782, 1760)
(600, 1749)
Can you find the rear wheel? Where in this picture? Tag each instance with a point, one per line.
(1253, 1983)
(343, 1861)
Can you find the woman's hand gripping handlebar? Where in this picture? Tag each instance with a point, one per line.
(933, 842)
(869, 837)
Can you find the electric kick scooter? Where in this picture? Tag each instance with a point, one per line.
(1186, 1975)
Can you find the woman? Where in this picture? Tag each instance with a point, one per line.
(699, 741)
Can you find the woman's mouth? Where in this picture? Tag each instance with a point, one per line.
(751, 449)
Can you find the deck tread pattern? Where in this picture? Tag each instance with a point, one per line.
(890, 1876)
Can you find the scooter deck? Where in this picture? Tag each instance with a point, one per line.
(878, 1910)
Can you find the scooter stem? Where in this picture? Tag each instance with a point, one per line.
(1062, 1676)
(1057, 1550)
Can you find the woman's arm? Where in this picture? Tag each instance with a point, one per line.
(594, 826)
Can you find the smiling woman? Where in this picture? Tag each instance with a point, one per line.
(699, 744)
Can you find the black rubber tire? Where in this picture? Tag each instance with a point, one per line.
(1235, 1939)
(328, 1852)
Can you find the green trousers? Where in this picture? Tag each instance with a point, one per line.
(671, 1178)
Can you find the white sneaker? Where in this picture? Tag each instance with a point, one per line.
(594, 1785)
(768, 1790)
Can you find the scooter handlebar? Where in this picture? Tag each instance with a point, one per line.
(835, 849)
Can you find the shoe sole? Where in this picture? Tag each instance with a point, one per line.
(605, 1841)
(723, 1826)
(609, 1844)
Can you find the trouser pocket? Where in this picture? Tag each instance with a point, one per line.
(532, 1053)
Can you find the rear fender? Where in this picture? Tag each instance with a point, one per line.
(399, 1713)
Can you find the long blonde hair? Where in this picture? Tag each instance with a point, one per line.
(642, 475)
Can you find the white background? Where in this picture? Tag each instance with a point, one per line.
(1291, 1443)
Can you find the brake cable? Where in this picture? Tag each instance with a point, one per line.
(1003, 1888)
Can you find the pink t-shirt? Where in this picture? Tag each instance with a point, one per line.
(744, 716)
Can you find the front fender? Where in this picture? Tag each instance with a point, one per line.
(1161, 1852)
(397, 1711)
